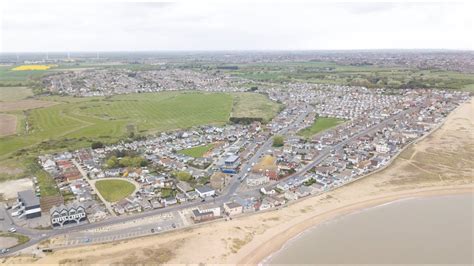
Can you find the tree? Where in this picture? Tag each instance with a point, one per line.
(112, 162)
(183, 176)
(97, 145)
(278, 141)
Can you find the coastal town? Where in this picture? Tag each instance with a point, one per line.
(227, 133)
(190, 176)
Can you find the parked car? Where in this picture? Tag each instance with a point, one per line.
(12, 230)
(4, 250)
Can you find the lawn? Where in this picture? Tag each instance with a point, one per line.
(320, 124)
(198, 151)
(114, 190)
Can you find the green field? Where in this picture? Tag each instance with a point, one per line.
(254, 105)
(19, 78)
(320, 124)
(368, 75)
(47, 184)
(197, 152)
(114, 190)
(77, 122)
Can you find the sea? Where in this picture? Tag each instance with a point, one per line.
(428, 230)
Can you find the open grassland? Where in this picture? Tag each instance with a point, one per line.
(67, 123)
(320, 124)
(254, 105)
(197, 152)
(114, 190)
(109, 119)
(369, 76)
(14, 93)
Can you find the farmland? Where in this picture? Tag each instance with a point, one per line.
(114, 190)
(14, 93)
(319, 125)
(32, 67)
(362, 75)
(8, 123)
(197, 152)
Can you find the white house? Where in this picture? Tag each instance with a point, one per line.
(205, 191)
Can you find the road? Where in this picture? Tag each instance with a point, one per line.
(38, 236)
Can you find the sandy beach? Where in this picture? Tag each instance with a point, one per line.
(440, 164)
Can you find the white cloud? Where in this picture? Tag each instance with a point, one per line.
(197, 25)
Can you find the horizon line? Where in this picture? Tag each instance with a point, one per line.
(245, 50)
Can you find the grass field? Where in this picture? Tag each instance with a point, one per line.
(197, 152)
(319, 125)
(114, 190)
(76, 122)
(369, 76)
(68, 123)
(14, 93)
(46, 184)
(254, 105)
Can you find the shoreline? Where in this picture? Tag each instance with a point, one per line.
(435, 166)
(262, 252)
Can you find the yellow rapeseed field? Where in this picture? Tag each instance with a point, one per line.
(33, 67)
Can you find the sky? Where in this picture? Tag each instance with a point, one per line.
(48, 26)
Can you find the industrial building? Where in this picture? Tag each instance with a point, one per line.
(28, 205)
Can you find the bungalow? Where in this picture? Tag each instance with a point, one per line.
(169, 201)
(192, 195)
(184, 186)
(271, 202)
(205, 191)
(181, 197)
(303, 191)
